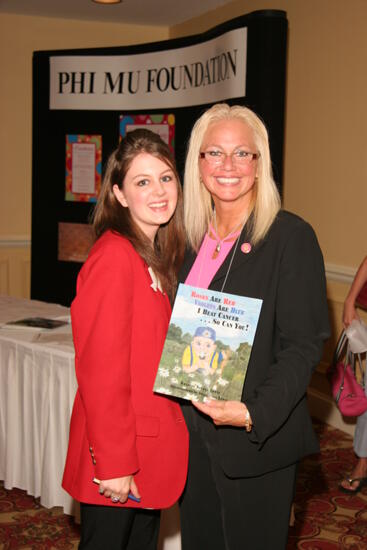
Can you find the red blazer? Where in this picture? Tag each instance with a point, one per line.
(118, 425)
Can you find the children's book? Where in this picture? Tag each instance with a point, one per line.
(208, 345)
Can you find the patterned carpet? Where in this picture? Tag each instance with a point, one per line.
(25, 524)
(326, 519)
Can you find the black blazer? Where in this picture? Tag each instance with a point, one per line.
(286, 271)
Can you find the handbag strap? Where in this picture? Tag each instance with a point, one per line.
(359, 362)
(339, 350)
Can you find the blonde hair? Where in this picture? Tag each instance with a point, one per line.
(197, 200)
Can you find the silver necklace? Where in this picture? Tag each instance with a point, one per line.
(229, 267)
(230, 261)
(221, 241)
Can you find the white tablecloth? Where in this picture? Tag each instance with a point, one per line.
(37, 389)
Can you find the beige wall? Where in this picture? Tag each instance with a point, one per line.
(15, 268)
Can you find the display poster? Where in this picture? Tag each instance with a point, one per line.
(163, 125)
(74, 241)
(83, 167)
(91, 97)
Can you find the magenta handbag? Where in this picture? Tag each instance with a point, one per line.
(349, 395)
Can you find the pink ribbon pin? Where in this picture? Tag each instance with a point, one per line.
(246, 248)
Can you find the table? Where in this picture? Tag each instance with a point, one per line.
(37, 389)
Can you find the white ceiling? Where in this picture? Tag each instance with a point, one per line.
(142, 12)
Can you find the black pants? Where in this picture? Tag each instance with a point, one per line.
(117, 528)
(233, 514)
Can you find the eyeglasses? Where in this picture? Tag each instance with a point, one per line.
(217, 157)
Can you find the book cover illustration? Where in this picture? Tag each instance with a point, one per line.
(208, 345)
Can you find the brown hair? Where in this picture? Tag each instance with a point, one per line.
(166, 255)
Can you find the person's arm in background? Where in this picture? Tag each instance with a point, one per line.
(349, 311)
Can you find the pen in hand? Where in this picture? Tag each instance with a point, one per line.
(130, 495)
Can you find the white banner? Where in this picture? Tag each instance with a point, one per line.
(205, 73)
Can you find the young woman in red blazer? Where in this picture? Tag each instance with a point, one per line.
(128, 447)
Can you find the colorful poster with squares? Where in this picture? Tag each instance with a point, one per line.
(163, 125)
(83, 167)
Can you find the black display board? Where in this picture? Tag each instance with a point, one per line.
(53, 280)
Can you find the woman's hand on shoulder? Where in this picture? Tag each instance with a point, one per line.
(119, 488)
(225, 413)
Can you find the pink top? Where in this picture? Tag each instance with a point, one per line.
(205, 267)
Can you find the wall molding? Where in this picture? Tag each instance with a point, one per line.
(15, 241)
(323, 408)
(334, 272)
(340, 273)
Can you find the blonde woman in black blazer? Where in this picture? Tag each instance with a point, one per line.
(244, 455)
